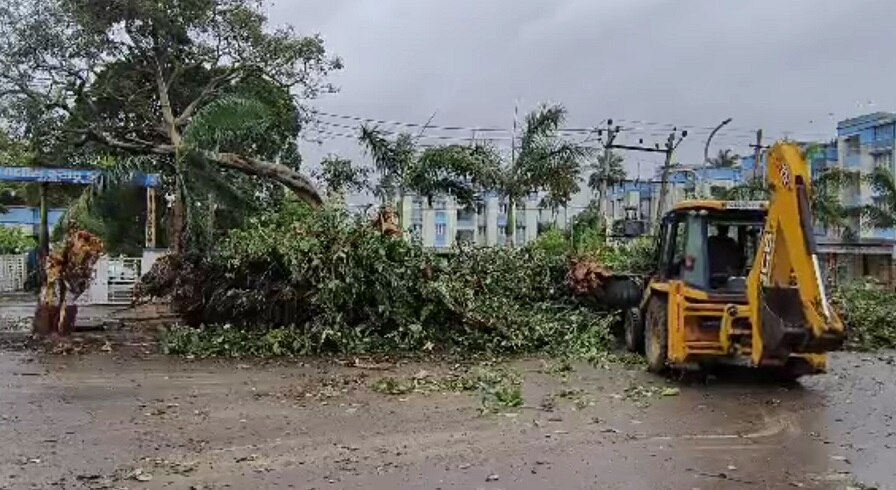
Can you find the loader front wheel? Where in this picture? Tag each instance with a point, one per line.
(656, 330)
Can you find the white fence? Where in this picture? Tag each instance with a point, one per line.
(113, 282)
(13, 272)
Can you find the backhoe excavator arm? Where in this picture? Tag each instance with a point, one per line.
(790, 311)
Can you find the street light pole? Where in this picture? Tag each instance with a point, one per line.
(706, 162)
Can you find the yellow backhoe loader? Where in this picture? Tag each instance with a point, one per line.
(739, 283)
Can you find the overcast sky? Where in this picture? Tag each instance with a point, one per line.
(791, 67)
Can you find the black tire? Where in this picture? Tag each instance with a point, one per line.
(620, 292)
(656, 332)
(634, 330)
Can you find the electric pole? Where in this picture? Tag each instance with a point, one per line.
(675, 138)
(757, 153)
(607, 137)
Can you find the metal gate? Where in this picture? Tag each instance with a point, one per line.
(123, 274)
(13, 272)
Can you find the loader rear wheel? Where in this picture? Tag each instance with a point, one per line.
(634, 330)
(656, 330)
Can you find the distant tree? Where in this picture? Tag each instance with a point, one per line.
(392, 159)
(725, 159)
(828, 209)
(881, 214)
(610, 171)
(545, 162)
(339, 175)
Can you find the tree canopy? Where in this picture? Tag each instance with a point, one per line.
(725, 159)
(607, 168)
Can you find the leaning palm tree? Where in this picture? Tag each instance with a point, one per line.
(201, 187)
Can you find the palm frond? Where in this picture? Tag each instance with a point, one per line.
(391, 158)
(230, 120)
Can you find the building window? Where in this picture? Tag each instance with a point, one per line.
(441, 229)
(466, 214)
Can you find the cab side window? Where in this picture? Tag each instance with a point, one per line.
(673, 247)
(680, 236)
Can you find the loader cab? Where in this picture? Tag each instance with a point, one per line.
(710, 245)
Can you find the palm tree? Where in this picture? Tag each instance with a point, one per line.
(392, 158)
(202, 188)
(725, 159)
(827, 208)
(545, 162)
(608, 168)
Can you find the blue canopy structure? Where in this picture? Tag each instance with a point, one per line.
(66, 176)
(74, 176)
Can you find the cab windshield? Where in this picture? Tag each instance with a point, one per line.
(714, 250)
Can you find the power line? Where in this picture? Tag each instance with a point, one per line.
(635, 127)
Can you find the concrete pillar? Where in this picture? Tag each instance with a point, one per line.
(98, 291)
(531, 220)
(492, 206)
(451, 210)
(149, 257)
(429, 225)
(406, 214)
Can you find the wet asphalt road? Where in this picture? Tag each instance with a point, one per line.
(106, 420)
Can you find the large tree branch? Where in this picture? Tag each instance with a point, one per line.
(133, 145)
(293, 180)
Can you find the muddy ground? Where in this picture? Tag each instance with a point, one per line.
(138, 420)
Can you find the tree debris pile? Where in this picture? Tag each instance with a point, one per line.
(869, 312)
(69, 270)
(320, 281)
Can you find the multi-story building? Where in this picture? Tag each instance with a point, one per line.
(864, 143)
(444, 222)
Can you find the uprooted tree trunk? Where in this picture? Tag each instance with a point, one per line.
(69, 270)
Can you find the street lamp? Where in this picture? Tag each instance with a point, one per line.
(706, 161)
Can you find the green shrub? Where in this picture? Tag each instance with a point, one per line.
(15, 241)
(552, 242)
(869, 312)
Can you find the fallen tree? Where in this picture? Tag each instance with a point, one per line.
(322, 282)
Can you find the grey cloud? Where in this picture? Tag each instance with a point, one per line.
(780, 65)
